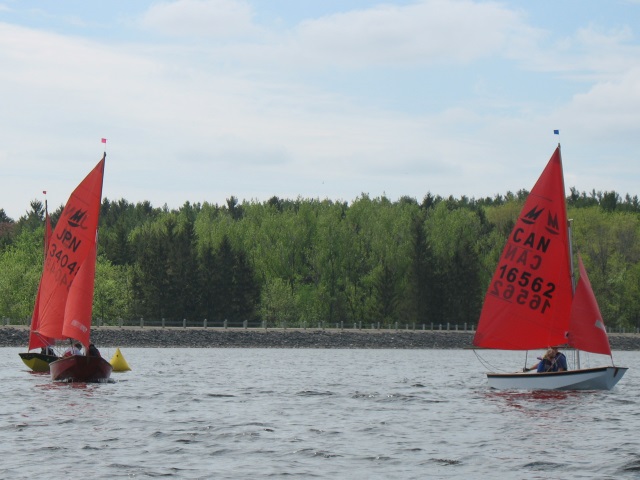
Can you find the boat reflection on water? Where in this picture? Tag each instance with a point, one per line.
(534, 402)
(534, 395)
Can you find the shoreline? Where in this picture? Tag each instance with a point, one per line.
(197, 337)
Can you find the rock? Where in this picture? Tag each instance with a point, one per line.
(278, 338)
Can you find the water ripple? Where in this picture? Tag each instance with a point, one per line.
(332, 414)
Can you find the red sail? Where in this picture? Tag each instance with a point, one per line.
(69, 248)
(35, 340)
(528, 302)
(77, 315)
(586, 328)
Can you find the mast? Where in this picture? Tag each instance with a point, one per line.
(573, 277)
(572, 268)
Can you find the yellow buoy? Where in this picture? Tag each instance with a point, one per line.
(118, 362)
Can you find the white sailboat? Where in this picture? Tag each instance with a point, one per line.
(531, 302)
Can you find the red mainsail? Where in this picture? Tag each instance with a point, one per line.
(586, 328)
(528, 303)
(70, 250)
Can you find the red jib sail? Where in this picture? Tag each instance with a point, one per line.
(35, 340)
(77, 315)
(528, 302)
(586, 328)
(70, 247)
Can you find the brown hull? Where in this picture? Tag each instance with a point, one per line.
(78, 368)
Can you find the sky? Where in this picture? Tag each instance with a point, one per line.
(201, 100)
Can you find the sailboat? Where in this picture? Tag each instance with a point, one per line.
(531, 302)
(66, 288)
(39, 361)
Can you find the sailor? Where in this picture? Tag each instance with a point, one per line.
(558, 361)
(75, 349)
(552, 361)
(93, 351)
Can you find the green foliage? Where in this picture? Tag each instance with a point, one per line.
(453, 235)
(306, 262)
(21, 267)
(112, 298)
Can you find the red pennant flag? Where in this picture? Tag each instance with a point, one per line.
(104, 140)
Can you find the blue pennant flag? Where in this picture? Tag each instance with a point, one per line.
(556, 132)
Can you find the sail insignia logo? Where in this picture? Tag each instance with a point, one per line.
(532, 215)
(77, 218)
(552, 224)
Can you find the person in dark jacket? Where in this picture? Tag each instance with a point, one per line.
(93, 351)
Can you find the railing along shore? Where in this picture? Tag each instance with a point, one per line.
(257, 325)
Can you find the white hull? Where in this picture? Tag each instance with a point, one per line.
(603, 378)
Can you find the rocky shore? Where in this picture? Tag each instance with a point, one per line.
(277, 338)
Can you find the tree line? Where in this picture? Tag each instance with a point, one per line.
(309, 261)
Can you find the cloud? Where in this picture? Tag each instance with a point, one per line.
(201, 18)
(423, 33)
(428, 32)
(224, 106)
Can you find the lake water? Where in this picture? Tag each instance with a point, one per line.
(325, 414)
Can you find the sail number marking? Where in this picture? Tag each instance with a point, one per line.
(533, 291)
(58, 263)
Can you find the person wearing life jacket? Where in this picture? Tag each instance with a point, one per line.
(558, 361)
(546, 362)
(552, 361)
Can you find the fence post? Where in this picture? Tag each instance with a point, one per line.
(204, 324)
(141, 322)
(225, 323)
(245, 324)
(120, 322)
(184, 323)
(163, 323)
